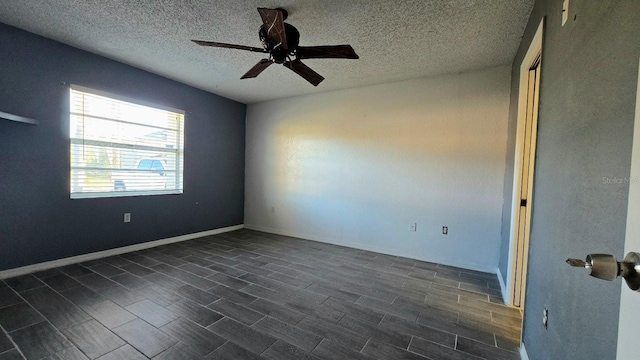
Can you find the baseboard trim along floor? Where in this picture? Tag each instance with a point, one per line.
(503, 288)
(369, 247)
(523, 352)
(5, 274)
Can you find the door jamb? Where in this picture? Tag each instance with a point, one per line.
(628, 298)
(535, 48)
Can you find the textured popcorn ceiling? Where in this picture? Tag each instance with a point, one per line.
(396, 40)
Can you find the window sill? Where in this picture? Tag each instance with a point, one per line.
(95, 195)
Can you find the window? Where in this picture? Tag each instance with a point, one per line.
(122, 148)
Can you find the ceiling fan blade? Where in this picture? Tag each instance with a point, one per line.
(327, 52)
(229, 46)
(257, 69)
(303, 70)
(273, 23)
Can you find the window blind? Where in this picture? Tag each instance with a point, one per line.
(123, 148)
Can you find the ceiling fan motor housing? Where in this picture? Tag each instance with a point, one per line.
(278, 53)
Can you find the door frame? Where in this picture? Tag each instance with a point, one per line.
(629, 316)
(535, 50)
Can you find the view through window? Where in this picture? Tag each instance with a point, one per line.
(122, 148)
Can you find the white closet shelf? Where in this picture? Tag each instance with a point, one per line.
(17, 118)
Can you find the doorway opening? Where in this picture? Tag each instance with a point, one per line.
(524, 166)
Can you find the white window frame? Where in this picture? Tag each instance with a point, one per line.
(178, 151)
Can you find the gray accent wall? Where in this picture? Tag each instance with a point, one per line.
(585, 130)
(38, 220)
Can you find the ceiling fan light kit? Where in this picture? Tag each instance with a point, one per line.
(281, 41)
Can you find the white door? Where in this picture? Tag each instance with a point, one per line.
(630, 300)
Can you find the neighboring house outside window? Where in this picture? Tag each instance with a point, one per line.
(120, 147)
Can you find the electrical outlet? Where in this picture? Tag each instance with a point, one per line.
(127, 217)
(273, 210)
(413, 227)
(545, 318)
(445, 230)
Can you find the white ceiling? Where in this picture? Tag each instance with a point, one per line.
(396, 40)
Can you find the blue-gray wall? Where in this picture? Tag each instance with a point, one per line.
(38, 220)
(585, 132)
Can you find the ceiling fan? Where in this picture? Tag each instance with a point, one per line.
(280, 40)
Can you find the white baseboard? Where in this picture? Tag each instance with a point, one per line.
(368, 247)
(523, 352)
(5, 274)
(503, 288)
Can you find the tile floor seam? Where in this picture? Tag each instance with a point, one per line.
(364, 346)
(59, 331)
(410, 341)
(318, 344)
(15, 346)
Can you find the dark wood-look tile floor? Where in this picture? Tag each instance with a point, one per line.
(253, 295)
